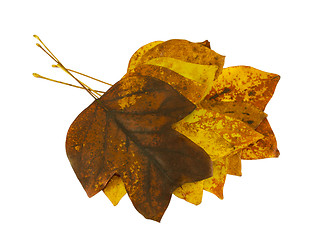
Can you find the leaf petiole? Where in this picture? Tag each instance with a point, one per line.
(68, 84)
(60, 65)
(70, 70)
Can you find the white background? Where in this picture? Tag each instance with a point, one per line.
(284, 198)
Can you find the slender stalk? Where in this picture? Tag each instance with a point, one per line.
(70, 70)
(51, 55)
(68, 84)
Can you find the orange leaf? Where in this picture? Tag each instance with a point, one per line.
(263, 148)
(233, 164)
(215, 184)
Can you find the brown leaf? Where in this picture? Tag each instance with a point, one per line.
(128, 132)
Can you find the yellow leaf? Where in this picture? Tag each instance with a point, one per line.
(197, 64)
(192, 90)
(222, 137)
(242, 111)
(185, 51)
(115, 190)
(136, 57)
(217, 134)
(190, 192)
(193, 192)
(196, 72)
(244, 84)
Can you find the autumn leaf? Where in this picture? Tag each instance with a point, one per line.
(241, 93)
(243, 84)
(136, 57)
(220, 136)
(191, 192)
(228, 99)
(172, 118)
(215, 184)
(243, 111)
(233, 164)
(235, 107)
(190, 68)
(264, 148)
(127, 133)
(115, 189)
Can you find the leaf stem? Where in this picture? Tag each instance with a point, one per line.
(68, 84)
(70, 70)
(60, 65)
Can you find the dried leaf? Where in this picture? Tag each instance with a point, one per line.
(197, 64)
(115, 189)
(128, 132)
(221, 137)
(189, 67)
(263, 148)
(191, 192)
(143, 137)
(242, 111)
(136, 57)
(247, 85)
(244, 84)
(218, 134)
(240, 93)
(233, 164)
(215, 184)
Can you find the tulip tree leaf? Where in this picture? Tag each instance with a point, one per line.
(128, 132)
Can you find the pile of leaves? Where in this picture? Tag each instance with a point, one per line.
(176, 123)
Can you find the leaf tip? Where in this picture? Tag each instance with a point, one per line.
(277, 153)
